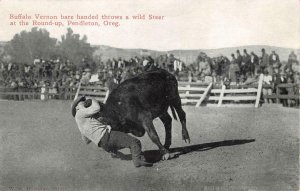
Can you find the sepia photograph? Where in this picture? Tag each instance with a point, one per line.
(134, 95)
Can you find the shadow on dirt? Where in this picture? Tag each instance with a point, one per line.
(155, 155)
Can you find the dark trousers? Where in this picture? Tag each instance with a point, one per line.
(116, 140)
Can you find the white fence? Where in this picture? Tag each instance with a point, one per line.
(196, 94)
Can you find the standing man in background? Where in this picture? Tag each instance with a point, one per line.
(264, 63)
(254, 62)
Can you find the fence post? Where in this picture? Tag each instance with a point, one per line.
(106, 96)
(188, 86)
(204, 95)
(277, 94)
(221, 96)
(65, 92)
(19, 94)
(78, 90)
(259, 90)
(47, 93)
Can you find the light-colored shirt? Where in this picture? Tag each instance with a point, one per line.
(252, 59)
(267, 79)
(145, 62)
(90, 127)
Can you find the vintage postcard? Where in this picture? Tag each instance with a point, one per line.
(149, 95)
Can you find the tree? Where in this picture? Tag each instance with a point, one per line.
(26, 46)
(74, 48)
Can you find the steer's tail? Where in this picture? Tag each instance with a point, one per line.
(173, 112)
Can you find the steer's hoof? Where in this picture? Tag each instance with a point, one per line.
(168, 156)
(187, 140)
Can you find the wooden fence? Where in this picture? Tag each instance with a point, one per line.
(191, 93)
(98, 92)
(65, 93)
(219, 96)
(291, 93)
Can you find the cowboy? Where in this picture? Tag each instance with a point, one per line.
(97, 131)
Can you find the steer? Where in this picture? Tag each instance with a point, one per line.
(132, 106)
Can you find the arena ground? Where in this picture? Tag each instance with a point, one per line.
(231, 149)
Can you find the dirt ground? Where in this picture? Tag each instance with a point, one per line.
(231, 149)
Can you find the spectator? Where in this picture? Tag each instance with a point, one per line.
(190, 76)
(267, 80)
(43, 90)
(274, 60)
(224, 65)
(233, 69)
(208, 79)
(239, 58)
(233, 59)
(296, 77)
(86, 76)
(245, 66)
(120, 63)
(226, 83)
(264, 63)
(53, 90)
(295, 66)
(292, 57)
(254, 62)
(290, 91)
(204, 67)
(280, 78)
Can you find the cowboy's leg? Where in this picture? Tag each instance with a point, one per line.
(116, 140)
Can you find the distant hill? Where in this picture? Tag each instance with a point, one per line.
(2, 43)
(107, 52)
(189, 56)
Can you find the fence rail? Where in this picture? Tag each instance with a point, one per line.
(218, 95)
(98, 92)
(36, 93)
(293, 94)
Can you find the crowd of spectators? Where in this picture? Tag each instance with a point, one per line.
(53, 74)
(245, 69)
(242, 68)
(40, 75)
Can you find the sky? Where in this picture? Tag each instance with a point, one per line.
(187, 24)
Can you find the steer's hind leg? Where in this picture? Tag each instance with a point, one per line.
(146, 121)
(181, 114)
(167, 121)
